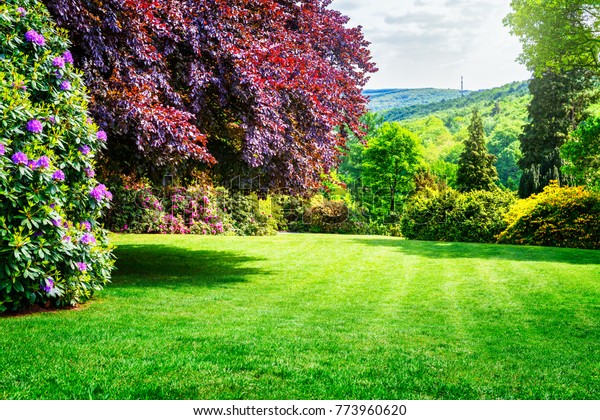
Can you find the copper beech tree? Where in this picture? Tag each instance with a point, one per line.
(255, 87)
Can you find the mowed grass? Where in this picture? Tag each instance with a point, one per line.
(318, 317)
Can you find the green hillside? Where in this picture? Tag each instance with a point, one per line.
(386, 99)
(440, 119)
(434, 102)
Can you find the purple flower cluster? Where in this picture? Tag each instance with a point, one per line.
(65, 85)
(35, 38)
(48, 285)
(58, 175)
(101, 135)
(86, 225)
(2, 149)
(68, 57)
(43, 162)
(87, 239)
(81, 266)
(89, 172)
(100, 192)
(57, 222)
(35, 126)
(20, 158)
(85, 149)
(58, 62)
(22, 11)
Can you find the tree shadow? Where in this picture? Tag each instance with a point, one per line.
(462, 250)
(170, 266)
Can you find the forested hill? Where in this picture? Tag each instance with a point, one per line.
(416, 103)
(440, 119)
(386, 99)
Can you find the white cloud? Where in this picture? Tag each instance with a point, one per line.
(421, 44)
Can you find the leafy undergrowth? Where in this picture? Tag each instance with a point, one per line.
(318, 317)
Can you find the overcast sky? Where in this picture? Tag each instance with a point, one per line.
(432, 43)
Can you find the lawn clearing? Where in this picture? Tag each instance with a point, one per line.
(318, 317)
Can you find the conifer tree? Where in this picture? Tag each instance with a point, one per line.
(476, 169)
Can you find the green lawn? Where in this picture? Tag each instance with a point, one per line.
(318, 317)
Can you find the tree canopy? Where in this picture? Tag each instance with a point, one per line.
(391, 160)
(582, 152)
(252, 87)
(557, 34)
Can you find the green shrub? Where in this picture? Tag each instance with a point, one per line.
(246, 213)
(561, 217)
(52, 249)
(448, 215)
(320, 215)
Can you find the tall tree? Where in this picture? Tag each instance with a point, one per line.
(558, 35)
(391, 160)
(255, 85)
(476, 170)
(557, 107)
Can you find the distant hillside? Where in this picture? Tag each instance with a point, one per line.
(428, 105)
(386, 99)
(440, 118)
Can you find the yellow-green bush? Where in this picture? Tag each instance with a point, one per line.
(561, 217)
(448, 215)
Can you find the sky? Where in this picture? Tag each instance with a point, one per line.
(432, 43)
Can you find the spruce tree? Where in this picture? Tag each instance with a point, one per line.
(476, 169)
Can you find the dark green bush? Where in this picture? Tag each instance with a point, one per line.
(562, 217)
(451, 216)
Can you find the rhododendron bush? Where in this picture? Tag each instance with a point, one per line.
(255, 87)
(52, 250)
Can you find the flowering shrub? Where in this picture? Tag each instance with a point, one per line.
(562, 217)
(448, 215)
(53, 252)
(199, 210)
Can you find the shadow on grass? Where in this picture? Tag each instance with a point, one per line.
(459, 250)
(171, 266)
